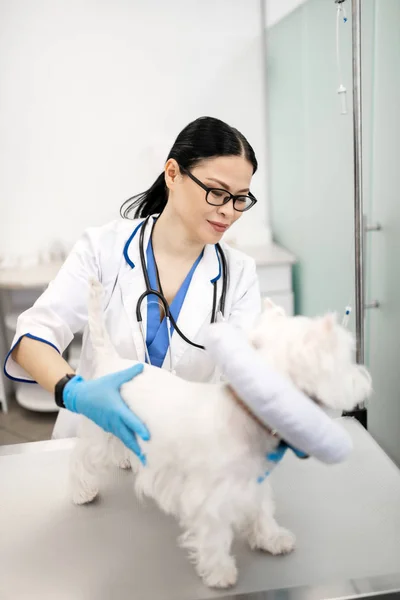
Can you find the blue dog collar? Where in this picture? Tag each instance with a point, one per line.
(277, 455)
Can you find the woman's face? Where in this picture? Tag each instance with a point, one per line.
(206, 223)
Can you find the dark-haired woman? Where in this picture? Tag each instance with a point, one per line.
(175, 234)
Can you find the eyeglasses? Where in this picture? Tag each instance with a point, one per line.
(219, 197)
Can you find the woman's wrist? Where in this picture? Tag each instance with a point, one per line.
(64, 391)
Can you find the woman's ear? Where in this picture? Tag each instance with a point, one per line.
(172, 173)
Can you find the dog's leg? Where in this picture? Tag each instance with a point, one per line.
(263, 532)
(119, 454)
(209, 543)
(83, 471)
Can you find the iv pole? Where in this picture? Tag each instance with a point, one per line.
(358, 190)
(360, 413)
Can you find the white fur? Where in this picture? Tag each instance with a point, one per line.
(206, 453)
(316, 354)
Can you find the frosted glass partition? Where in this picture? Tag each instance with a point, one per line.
(310, 149)
(384, 247)
(311, 177)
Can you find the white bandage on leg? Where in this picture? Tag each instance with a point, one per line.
(274, 399)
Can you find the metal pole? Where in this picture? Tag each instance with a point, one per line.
(360, 412)
(358, 190)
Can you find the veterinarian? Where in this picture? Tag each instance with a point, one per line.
(172, 247)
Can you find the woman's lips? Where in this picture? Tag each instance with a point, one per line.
(219, 227)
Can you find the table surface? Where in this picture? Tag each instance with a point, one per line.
(36, 276)
(346, 518)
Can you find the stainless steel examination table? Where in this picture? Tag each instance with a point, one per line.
(346, 518)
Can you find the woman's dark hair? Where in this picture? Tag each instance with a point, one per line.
(204, 138)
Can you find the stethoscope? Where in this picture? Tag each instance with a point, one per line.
(159, 293)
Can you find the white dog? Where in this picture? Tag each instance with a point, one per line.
(206, 453)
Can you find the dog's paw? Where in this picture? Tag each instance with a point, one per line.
(280, 541)
(125, 464)
(84, 495)
(223, 576)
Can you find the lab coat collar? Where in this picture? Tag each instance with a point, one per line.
(197, 305)
(132, 284)
(132, 253)
(131, 248)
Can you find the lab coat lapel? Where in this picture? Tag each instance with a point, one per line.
(197, 306)
(132, 285)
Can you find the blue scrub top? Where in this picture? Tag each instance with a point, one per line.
(157, 333)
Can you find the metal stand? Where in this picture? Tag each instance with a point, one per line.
(360, 413)
(358, 181)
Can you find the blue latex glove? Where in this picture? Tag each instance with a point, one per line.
(100, 400)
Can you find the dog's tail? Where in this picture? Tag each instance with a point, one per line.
(99, 337)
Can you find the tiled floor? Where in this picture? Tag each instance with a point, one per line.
(20, 425)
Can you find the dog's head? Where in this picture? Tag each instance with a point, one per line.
(317, 354)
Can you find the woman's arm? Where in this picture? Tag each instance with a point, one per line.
(59, 313)
(46, 329)
(43, 363)
(98, 399)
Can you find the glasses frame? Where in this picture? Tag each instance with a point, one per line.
(229, 196)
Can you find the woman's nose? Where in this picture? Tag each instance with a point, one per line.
(227, 210)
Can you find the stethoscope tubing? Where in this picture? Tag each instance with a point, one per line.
(169, 318)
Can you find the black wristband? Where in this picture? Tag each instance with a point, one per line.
(58, 390)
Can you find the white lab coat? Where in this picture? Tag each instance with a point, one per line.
(111, 254)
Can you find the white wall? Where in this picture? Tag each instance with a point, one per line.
(93, 94)
(279, 9)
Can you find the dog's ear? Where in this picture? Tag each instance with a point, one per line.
(322, 327)
(268, 305)
(328, 322)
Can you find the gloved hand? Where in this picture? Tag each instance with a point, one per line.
(100, 400)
